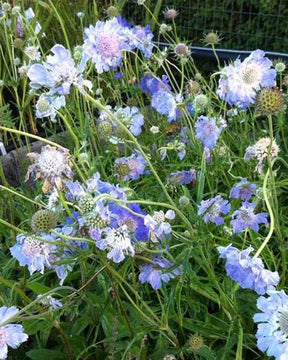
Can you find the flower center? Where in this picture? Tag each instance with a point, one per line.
(159, 217)
(42, 105)
(121, 240)
(213, 210)
(31, 247)
(245, 215)
(250, 76)
(109, 45)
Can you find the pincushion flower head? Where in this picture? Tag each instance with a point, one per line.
(117, 242)
(245, 218)
(104, 44)
(47, 106)
(53, 165)
(131, 118)
(130, 168)
(260, 151)
(207, 131)
(182, 177)
(272, 332)
(157, 272)
(240, 81)
(213, 209)
(58, 73)
(141, 38)
(158, 225)
(10, 334)
(247, 271)
(243, 190)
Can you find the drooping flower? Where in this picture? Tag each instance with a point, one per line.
(240, 81)
(117, 242)
(207, 131)
(158, 226)
(247, 271)
(243, 190)
(213, 209)
(52, 164)
(130, 168)
(58, 73)
(245, 218)
(272, 332)
(260, 151)
(182, 177)
(10, 334)
(165, 103)
(156, 272)
(104, 44)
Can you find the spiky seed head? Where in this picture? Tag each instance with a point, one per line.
(181, 50)
(171, 14)
(86, 203)
(193, 88)
(270, 101)
(94, 221)
(196, 342)
(105, 128)
(43, 221)
(211, 38)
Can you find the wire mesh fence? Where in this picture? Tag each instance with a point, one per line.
(243, 24)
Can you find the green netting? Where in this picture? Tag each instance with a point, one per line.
(243, 24)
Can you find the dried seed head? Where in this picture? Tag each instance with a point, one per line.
(270, 101)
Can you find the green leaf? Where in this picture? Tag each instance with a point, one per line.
(45, 354)
(38, 288)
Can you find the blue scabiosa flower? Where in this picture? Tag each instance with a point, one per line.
(10, 334)
(246, 219)
(151, 84)
(134, 221)
(47, 106)
(273, 324)
(247, 271)
(207, 131)
(142, 39)
(165, 103)
(243, 190)
(156, 272)
(32, 252)
(130, 168)
(58, 73)
(131, 118)
(182, 177)
(158, 226)
(117, 242)
(105, 42)
(213, 209)
(240, 81)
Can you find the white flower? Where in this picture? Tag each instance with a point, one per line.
(33, 53)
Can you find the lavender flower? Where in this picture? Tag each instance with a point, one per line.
(182, 177)
(240, 81)
(212, 210)
(134, 221)
(105, 42)
(243, 190)
(247, 271)
(165, 104)
(156, 272)
(58, 73)
(142, 39)
(52, 164)
(10, 335)
(207, 131)
(158, 226)
(273, 324)
(246, 219)
(118, 242)
(130, 168)
(151, 84)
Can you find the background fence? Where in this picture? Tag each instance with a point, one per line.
(243, 24)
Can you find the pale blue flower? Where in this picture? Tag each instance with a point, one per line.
(245, 218)
(273, 324)
(165, 103)
(47, 106)
(130, 168)
(207, 131)
(247, 271)
(240, 81)
(243, 190)
(158, 226)
(10, 334)
(213, 209)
